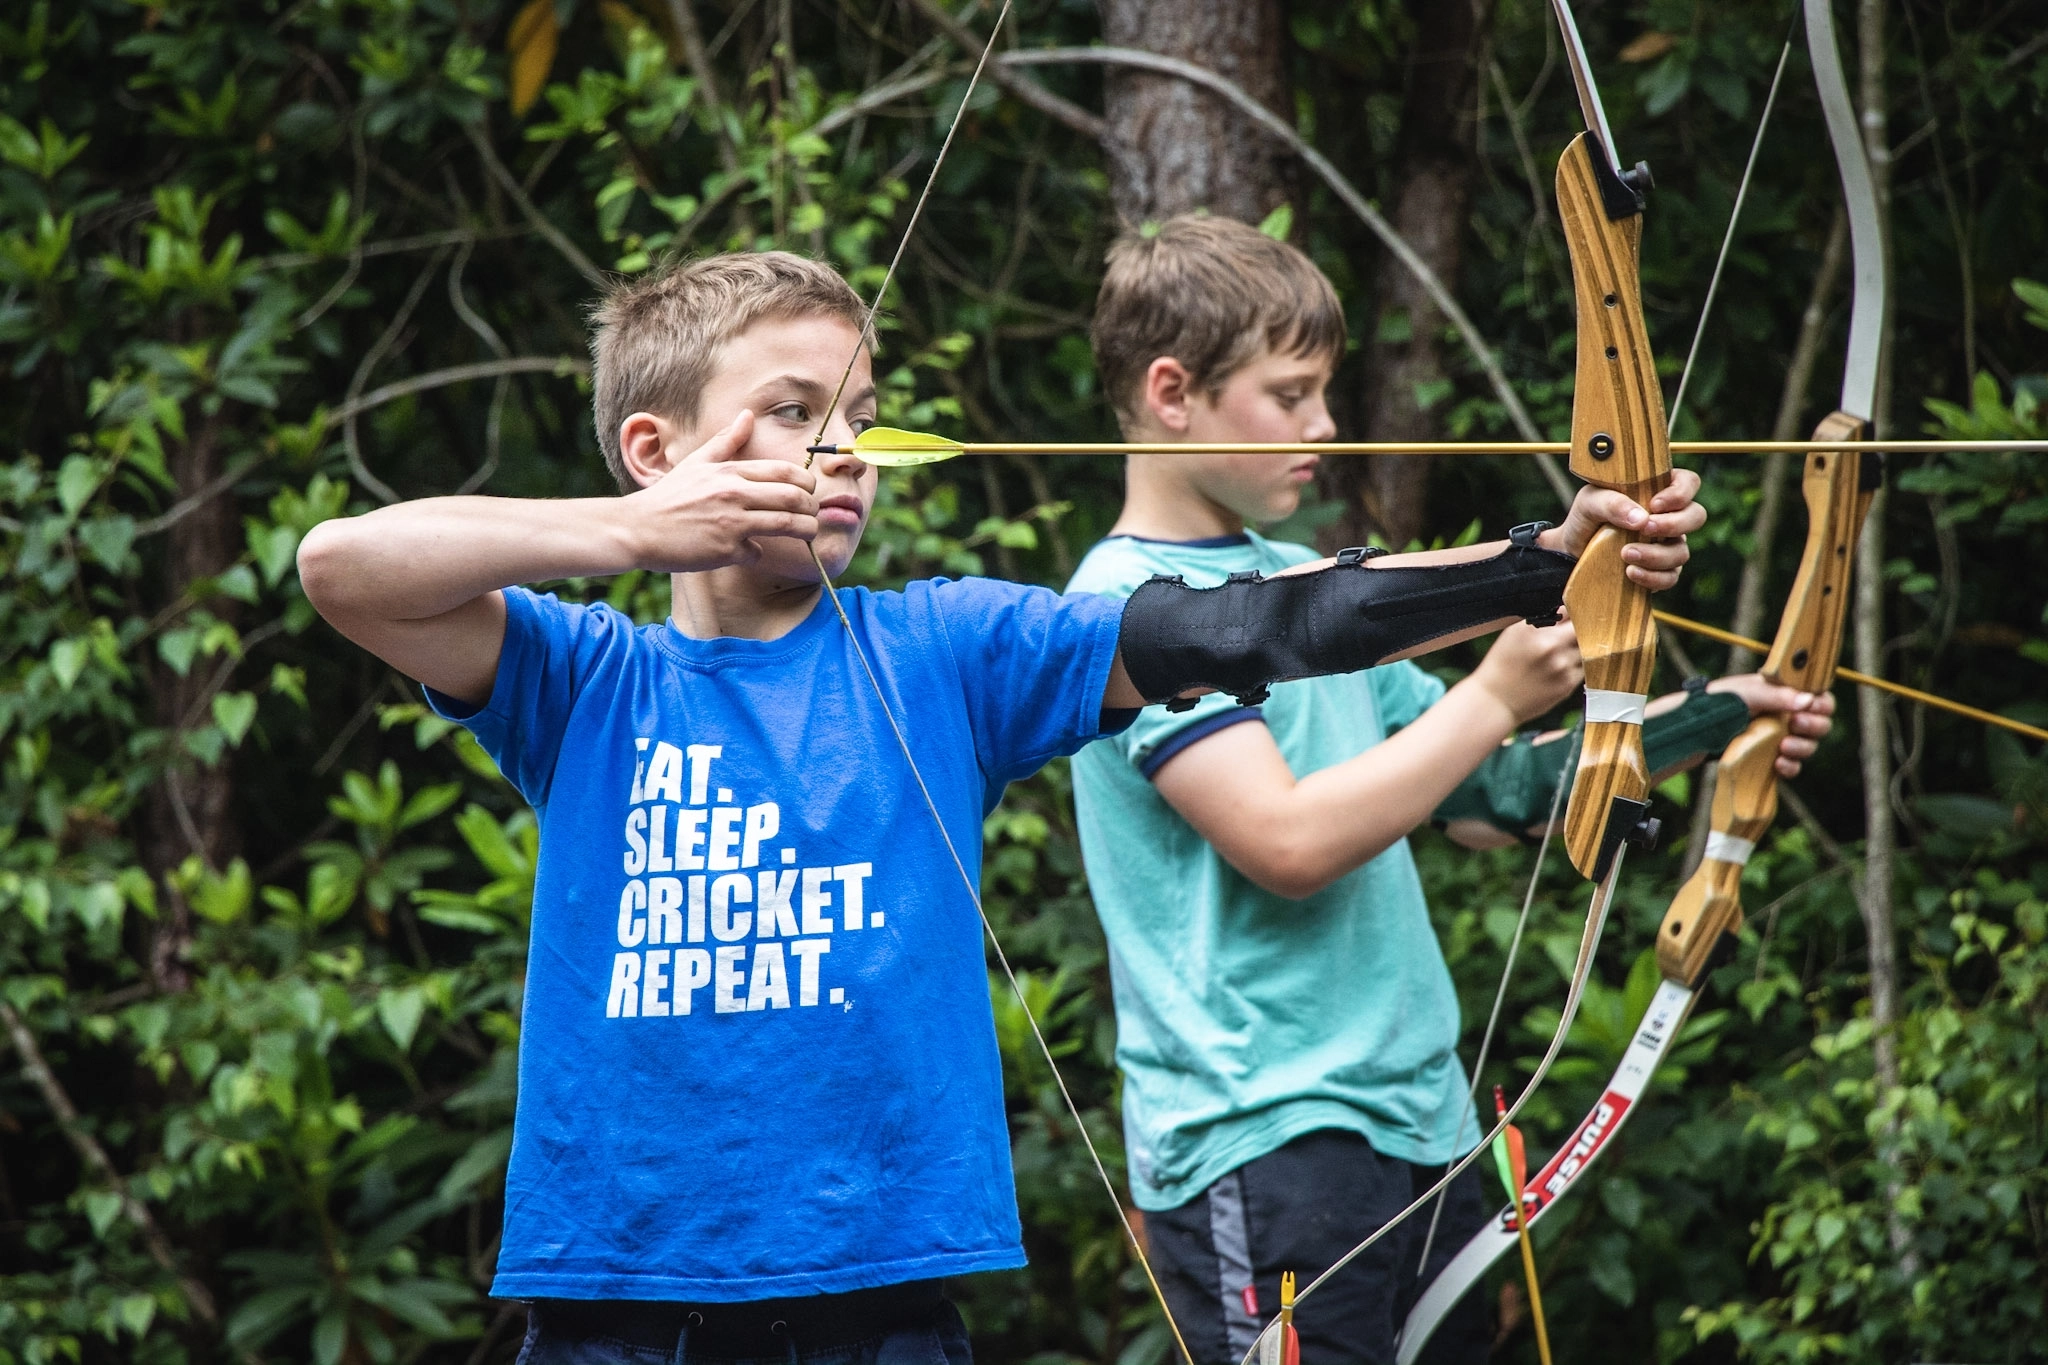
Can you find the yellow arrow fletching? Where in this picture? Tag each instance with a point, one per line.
(896, 448)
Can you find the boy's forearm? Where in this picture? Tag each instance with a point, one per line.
(1367, 803)
(422, 559)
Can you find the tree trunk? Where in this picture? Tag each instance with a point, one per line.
(1406, 370)
(1173, 148)
(190, 810)
(1873, 712)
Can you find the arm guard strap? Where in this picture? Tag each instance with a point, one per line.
(1251, 632)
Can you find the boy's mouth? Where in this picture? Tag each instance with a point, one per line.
(1304, 471)
(841, 511)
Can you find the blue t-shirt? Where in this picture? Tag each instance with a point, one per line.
(757, 1057)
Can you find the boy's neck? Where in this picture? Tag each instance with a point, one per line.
(1160, 503)
(734, 603)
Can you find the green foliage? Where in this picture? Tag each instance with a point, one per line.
(272, 952)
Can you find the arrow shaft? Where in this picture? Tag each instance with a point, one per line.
(1728, 447)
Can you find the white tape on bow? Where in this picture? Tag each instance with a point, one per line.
(1726, 848)
(1621, 708)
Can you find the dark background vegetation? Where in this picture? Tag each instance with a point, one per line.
(262, 920)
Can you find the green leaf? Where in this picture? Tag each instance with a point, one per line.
(102, 1207)
(222, 899)
(274, 548)
(330, 1336)
(77, 480)
(234, 712)
(107, 540)
(428, 802)
(400, 1012)
(1613, 1277)
(178, 648)
(135, 1312)
(267, 1314)
(1279, 224)
(485, 1157)
(67, 660)
(2034, 294)
(239, 583)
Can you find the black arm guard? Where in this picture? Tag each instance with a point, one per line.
(1252, 632)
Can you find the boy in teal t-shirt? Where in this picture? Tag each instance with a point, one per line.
(1287, 1026)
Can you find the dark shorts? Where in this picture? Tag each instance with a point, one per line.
(909, 1324)
(1220, 1255)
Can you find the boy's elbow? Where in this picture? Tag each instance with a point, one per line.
(1289, 868)
(324, 567)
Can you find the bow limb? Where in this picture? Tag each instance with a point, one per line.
(1838, 488)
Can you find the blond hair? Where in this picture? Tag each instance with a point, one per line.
(656, 339)
(1214, 294)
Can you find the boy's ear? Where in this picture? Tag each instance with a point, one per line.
(1168, 387)
(644, 442)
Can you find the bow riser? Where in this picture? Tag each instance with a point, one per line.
(1619, 441)
(1838, 490)
(1708, 908)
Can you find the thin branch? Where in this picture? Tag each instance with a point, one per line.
(426, 241)
(513, 190)
(95, 1159)
(562, 365)
(206, 493)
(1021, 88)
(683, 16)
(494, 423)
(1342, 188)
(370, 359)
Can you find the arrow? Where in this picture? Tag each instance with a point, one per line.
(895, 448)
(1512, 1160)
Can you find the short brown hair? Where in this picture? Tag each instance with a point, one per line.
(1214, 294)
(655, 339)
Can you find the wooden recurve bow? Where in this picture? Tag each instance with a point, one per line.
(1706, 914)
(1619, 441)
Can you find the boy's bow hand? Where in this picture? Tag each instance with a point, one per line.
(1531, 670)
(1808, 715)
(1653, 562)
(712, 507)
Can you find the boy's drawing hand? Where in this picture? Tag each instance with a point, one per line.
(1808, 715)
(1530, 670)
(711, 507)
(1655, 560)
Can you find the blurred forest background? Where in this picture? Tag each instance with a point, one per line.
(262, 919)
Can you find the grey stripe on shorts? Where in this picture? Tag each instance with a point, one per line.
(1231, 1233)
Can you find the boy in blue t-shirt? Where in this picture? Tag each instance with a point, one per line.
(760, 1106)
(1286, 1024)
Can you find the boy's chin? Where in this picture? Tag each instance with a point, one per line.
(791, 561)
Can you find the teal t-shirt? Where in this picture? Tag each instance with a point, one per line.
(1245, 1020)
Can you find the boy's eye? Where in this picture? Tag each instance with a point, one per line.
(791, 412)
(861, 423)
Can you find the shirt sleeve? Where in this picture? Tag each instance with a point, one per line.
(1035, 665)
(1403, 691)
(550, 651)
